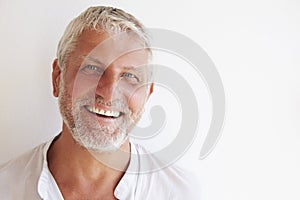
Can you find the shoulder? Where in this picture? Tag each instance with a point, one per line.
(185, 183)
(21, 173)
(180, 182)
(168, 180)
(22, 162)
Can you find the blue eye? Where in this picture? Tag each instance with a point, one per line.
(92, 67)
(92, 70)
(131, 77)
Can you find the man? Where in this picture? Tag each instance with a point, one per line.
(102, 81)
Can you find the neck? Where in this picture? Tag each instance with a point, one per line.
(72, 164)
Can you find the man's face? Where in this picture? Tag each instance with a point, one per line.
(103, 89)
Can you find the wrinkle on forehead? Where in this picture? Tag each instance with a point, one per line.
(110, 46)
(124, 49)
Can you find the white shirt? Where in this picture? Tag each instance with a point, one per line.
(28, 177)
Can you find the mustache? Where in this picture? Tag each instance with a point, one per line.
(116, 104)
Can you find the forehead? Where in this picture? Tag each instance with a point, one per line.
(107, 48)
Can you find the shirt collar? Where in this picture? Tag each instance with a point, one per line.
(47, 187)
(126, 188)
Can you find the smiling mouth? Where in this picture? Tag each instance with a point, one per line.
(103, 113)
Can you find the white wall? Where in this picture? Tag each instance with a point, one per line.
(255, 46)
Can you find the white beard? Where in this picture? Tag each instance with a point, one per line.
(87, 131)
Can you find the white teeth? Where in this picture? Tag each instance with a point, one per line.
(101, 112)
(107, 113)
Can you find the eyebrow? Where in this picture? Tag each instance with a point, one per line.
(138, 69)
(94, 60)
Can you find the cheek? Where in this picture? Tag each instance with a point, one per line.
(137, 99)
(81, 86)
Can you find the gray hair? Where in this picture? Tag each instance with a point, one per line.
(101, 19)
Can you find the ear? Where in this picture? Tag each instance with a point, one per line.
(150, 90)
(55, 77)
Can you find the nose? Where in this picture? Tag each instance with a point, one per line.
(107, 87)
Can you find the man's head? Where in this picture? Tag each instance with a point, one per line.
(101, 77)
(101, 19)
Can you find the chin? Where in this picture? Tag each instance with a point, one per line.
(100, 142)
